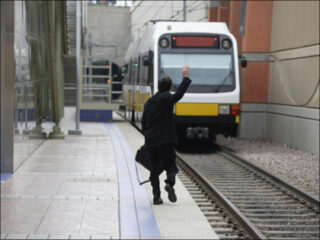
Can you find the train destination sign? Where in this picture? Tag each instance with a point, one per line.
(195, 41)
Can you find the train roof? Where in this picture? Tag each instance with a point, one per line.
(153, 31)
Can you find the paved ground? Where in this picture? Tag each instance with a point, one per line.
(67, 187)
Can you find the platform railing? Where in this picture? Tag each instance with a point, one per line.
(96, 85)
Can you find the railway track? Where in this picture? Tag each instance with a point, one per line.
(224, 226)
(252, 203)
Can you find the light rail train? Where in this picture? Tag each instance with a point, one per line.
(212, 103)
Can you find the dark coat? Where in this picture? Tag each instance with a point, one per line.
(157, 120)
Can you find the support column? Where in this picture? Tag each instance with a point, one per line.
(255, 43)
(55, 46)
(213, 11)
(234, 23)
(7, 86)
(224, 12)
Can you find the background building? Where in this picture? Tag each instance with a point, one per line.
(107, 32)
(105, 29)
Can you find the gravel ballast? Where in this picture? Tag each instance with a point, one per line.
(295, 166)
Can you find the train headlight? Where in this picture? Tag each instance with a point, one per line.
(164, 42)
(226, 43)
(224, 109)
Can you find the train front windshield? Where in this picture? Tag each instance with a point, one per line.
(210, 73)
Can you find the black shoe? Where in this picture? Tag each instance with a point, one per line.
(157, 201)
(171, 195)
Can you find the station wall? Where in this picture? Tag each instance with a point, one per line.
(110, 29)
(294, 75)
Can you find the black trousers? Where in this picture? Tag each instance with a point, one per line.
(162, 158)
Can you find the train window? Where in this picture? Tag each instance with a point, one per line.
(145, 75)
(210, 72)
(137, 66)
(150, 70)
(125, 68)
(134, 75)
(130, 72)
(141, 71)
(146, 67)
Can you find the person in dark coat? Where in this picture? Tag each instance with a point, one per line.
(160, 134)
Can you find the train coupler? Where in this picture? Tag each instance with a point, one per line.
(198, 132)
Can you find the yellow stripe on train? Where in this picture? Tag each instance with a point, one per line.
(197, 109)
(141, 99)
(237, 119)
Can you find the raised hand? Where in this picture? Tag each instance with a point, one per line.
(185, 71)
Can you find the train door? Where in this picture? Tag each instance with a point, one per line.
(129, 91)
(139, 92)
(125, 73)
(149, 86)
(145, 84)
(134, 85)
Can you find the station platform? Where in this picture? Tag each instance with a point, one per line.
(85, 187)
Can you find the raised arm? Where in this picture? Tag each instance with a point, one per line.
(182, 87)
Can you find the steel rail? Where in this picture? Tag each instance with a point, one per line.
(284, 184)
(243, 221)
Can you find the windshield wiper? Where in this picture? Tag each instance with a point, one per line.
(222, 83)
